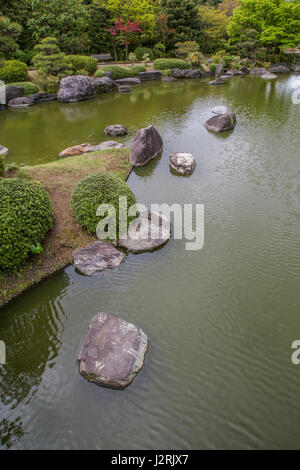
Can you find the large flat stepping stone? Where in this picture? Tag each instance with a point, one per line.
(148, 231)
(183, 163)
(113, 351)
(107, 144)
(75, 150)
(22, 102)
(221, 122)
(269, 76)
(128, 81)
(97, 256)
(116, 129)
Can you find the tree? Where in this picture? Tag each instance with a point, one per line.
(121, 34)
(67, 20)
(276, 22)
(18, 11)
(214, 24)
(9, 32)
(99, 23)
(49, 59)
(228, 6)
(164, 29)
(184, 19)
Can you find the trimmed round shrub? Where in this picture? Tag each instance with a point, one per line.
(26, 215)
(100, 188)
(29, 87)
(163, 64)
(116, 71)
(139, 53)
(136, 69)
(13, 71)
(80, 63)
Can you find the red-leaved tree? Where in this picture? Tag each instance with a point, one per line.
(121, 33)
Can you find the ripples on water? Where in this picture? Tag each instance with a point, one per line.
(220, 321)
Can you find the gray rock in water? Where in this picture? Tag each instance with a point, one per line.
(269, 76)
(124, 88)
(148, 231)
(295, 68)
(146, 145)
(128, 81)
(13, 92)
(193, 74)
(97, 256)
(116, 129)
(280, 68)
(75, 150)
(234, 73)
(258, 71)
(218, 81)
(112, 352)
(221, 122)
(219, 70)
(104, 84)
(23, 102)
(179, 73)
(169, 79)
(3, 150)
(219, 110)
(76, 88)
(150, 75)
(41, 97)
(183, 163)
(105, 145)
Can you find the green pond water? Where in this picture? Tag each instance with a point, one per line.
(220, 321)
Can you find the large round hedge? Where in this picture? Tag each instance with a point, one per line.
(29, 87)
(80, 63)
(25, 217)
(163, 64)
(100, 188)
(13, 71)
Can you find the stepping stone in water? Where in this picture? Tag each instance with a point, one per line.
(113, 351)
(97, 256)
(3, 150)
(106, 145)
(116, 129)
(269, 76)
(183, 163)
(148, 231)
(75, 150)
(221, 123)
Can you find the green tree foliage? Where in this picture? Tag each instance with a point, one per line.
(214, 24)
(99, 23)
(276, 22)
(183, 18)
(19, 11)
(9, 32)
(50, 60)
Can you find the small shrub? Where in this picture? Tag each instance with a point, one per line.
(158, 50)
(136, 69)
(100, 188)
(13, 71)
(50, 83)
(212, 67)
(162, 64)
(183, 49)
(132, 57)
(116, 71)
(99, 73)
(166, 72)
(141, 51)
(26, 215)
(29, 87)
(25, 56)
(227, 61)
(195, 59)
(81, 63)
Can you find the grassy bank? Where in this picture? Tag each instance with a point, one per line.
(59, 178)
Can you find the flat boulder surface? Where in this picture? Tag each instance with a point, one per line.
(105, 145)
(150, 75)
(97, 256)
(104, 84)
(183, 163)
(280, 68)
(146, 145)
(115, 129)
(75, 150)
(221, 122)
(169, 79)
(76, 88)
(148, 231)
(22, 102)
(258, 71)
(13, 92)
(128, 81)
(269, 76)
(42, 97)
(112, 352)
(217, 81)
(219, 110)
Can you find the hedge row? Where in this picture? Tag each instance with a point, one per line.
(120, 72)
(165, 64)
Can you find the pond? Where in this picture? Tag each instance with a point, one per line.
(220, 321)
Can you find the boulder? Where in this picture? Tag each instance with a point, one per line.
(219, 70)
(218, 81)
(219, 110)
(178, 73)
(183, 163)
(225, 77)
(295, 68)
(234, 73)
(128, 81)
(124, 88)
(41, 97)
(104, 84)
(147, 232)
(76, 88)
(169, 79)
(150, 75)
(97, 256)
(105, 145)
(146, 145)
(269, 76)
(3, 150)
(115, 129)
(22, 102)
(112, 352)
(221, 122)
(245, 70)
(258, 71)
(108, 74)
(13, 92)
(75, 150)
(280, 68)
(193, 74)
